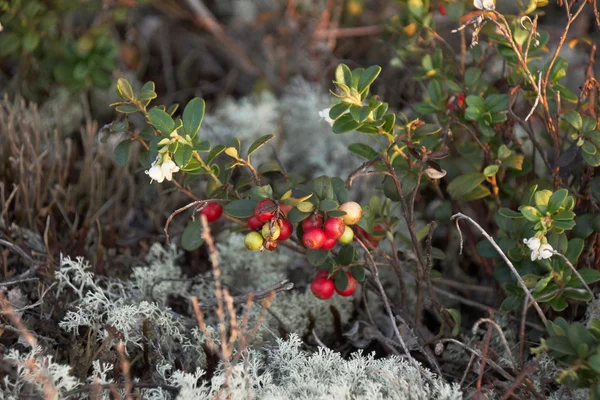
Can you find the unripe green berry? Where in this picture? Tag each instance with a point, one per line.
(253, 241)
(273, 232)
(347, 237)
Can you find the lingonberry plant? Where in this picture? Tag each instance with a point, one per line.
(477, 141)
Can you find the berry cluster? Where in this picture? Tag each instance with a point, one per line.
(269, 226)
(323, 286)
(319, 235)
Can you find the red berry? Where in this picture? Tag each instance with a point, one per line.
(351, 288)
(265, 210)
(442, 9)
(314, 238)
(314, 221)
(334, 228)
(212, 211)
(286, 229)
(254, 223)
(329, 243)
(322, 287)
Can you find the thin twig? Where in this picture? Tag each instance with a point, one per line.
(566, 260)
(520, 281)
(282, 286)
(500, 333)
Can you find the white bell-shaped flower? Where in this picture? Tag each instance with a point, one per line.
(324, 114)
(487, 5)
(162, 168)
(539, 250)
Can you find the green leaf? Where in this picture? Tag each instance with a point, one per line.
(589, 275)
(594, 363)
(561, 345)
(512, 303)
(514, 161)
(193, 114)
(476, 102)
(347, 254)
(161, 120)
(574, 250)
(491, 170)
(323, 188)
(316, 257)
(338, 110)
(435, 91)
(341, 280)
(124, 90)
(240, 208)
(126, 108)
(183, 155)
(589, 147)
(593, 160)
(202, 146)
(456, 317)
(463, 184)
(558, 303)
(340, 190)
(363, 150)
(557, 200)
(191, 238)
(119, 126)
(358, 273)
(31, 39)
(345, 124)
(368, 77)
(218, 149)
(261, 192)
(328, 205)
(531, 213)
(260, 142)
(503, 152)
(390, 122)
(147, 92)
(295, 215)
(9, 43)
(507, 212)
(343, 75)
(563, 225)
(578, 334)
(305, 206)
(565, 215)
(122, 152)
(573, 118)
(269, 166)
(542, 197)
